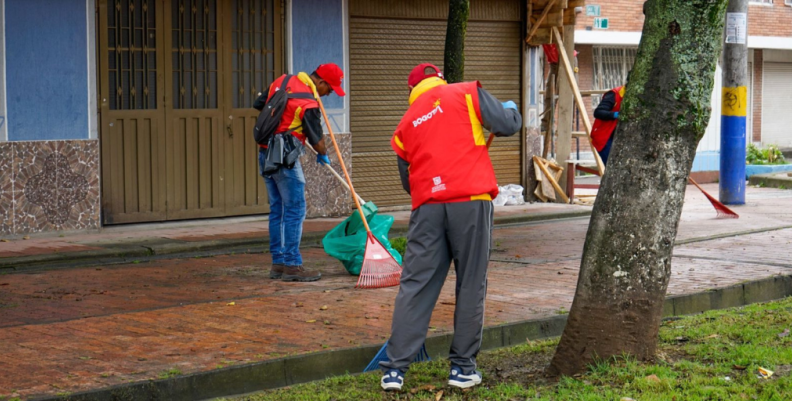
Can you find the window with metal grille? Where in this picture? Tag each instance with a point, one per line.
(194, 54)
(253, 44)
(132, 57)
(611, 66)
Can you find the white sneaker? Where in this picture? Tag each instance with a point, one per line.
(392, 380)
(459, 380)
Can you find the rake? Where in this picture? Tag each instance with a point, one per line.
(382, 356)
(379, 268)
(723, 211)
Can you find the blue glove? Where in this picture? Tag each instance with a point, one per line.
(615, 115)
(509, 105)
(322, 159)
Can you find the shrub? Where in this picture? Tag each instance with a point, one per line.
(768, 155)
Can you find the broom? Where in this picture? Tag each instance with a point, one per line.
(379, 268)
(723, 211)
(382, 356)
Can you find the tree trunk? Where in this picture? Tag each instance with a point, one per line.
(454, 57)
(626, 261)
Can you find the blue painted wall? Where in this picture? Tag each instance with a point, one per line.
(46, 69)
(318, 38)
(706, 161)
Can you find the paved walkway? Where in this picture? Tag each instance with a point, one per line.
(70, 330)
(132, 242)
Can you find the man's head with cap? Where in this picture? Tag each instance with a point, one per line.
(327, 78)
(421, 72)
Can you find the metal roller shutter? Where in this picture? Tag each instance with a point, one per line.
(384, 49)
(776, 104)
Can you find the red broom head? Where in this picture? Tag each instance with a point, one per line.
(379, 268)
(723, 211)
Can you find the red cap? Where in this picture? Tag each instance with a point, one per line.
(333, 75)
(418, 74)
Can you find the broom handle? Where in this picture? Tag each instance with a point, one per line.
(341, 159)
(696, 184)
(338, 176)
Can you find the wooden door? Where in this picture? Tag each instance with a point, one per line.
(253, 61)
(196, 138)
(132, 110)
(177, 81)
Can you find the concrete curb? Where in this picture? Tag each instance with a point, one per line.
(771, 180)
(316, 366)
(145, 249)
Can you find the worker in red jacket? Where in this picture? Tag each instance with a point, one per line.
(301, 121)
(606, 119)
(445, 166)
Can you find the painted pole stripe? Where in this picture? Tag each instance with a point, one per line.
(735, 102)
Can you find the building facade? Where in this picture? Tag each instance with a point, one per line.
(131, 111)
(607, 34)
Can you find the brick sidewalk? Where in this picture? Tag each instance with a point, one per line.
(161, 238)
(73, 330)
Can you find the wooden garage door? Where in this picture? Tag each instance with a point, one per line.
(387, 39)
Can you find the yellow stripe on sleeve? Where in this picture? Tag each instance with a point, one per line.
(398, 142)
(478, 132)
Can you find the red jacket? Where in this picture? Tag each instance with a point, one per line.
(442, 139)
(295, 108)
(602, 130)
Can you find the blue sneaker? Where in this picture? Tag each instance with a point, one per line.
(392, 380)
(460, 380)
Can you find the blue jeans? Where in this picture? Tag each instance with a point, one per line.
(286, 191)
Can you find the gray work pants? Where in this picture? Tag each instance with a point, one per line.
(438, 234)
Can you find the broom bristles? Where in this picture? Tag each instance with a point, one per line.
(379, 268)
(722, 211)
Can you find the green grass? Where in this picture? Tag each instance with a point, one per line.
(712, 356)
(399, 244)
(167, 374)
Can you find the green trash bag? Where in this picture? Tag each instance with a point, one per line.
(347, 241)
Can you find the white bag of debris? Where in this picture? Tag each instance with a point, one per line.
(509, 195)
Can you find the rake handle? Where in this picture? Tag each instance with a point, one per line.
(338, 176)
(341, 159)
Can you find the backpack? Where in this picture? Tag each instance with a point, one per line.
(272, 111)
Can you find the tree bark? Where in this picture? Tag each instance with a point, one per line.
(454, 57)
(626, 261)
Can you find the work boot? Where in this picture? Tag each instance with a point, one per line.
(276, 271)
(298, 273)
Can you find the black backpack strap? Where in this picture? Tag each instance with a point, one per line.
(295, 95)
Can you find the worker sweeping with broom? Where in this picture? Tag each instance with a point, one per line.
(445, 166)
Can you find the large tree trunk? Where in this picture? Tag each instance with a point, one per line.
(454, 56)
(626, 261)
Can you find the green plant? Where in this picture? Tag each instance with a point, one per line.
(760, 156)
(172, 372)
(399, 244)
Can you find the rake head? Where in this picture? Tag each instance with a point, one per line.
(379, 268)
(721, 209)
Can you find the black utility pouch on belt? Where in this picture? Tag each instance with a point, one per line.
(283, 150)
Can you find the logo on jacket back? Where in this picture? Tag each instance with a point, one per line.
(438, 185)
(428, 116)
